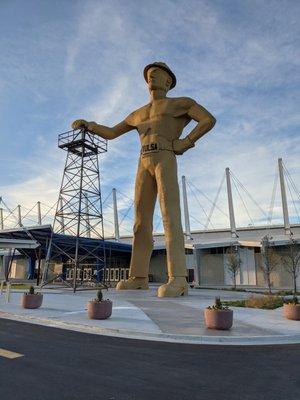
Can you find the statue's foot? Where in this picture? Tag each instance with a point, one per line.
(176, 286)
(133, 283)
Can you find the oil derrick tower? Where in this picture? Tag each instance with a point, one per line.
(77, 241)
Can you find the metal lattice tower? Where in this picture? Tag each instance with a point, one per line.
(79, 211)
(79, 207)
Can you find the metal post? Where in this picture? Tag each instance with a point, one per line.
(47, 261)
(1, 219)
(230, 205)
(186, 209)
(39, 267)
(10, 262)
(39, 213)
(19, 216)
(7, 296)
(2, 287)
(76, 260)
(88, 226)
(62, 221)
(116, 218)
(285, 211)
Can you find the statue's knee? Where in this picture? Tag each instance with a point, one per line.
(141, 228)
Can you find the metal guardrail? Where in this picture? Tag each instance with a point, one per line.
(80, 136)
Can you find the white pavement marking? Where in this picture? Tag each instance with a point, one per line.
(10, 354)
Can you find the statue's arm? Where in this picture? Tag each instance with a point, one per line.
(206, 122)
(205, 119)
(109, 133)
(103, 131)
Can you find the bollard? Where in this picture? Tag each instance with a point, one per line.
(2, 287)
(7, 297)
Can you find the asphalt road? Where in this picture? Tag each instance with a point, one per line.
(59, 364)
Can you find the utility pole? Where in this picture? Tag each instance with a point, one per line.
(186, 209)
(39, 213)
(116, 218)
(230, 205)
(285, 211)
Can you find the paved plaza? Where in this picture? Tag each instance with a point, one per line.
(141, 315)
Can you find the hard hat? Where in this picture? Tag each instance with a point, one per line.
(162, 66)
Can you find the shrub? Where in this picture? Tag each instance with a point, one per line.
(264, 302)
(218, 305)
(284, 292)
(99, 295)
(294, 301)
(31, 290)
(268, 302)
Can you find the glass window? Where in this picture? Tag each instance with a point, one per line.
(117, 275)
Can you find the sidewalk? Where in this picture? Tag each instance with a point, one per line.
(141, 315)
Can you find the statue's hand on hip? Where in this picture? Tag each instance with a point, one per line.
(181, 145)
(80, 123)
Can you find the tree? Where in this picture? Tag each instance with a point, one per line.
(233, 263)
(270, 261)
(291, 261)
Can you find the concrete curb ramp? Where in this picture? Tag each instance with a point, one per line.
(161, 337)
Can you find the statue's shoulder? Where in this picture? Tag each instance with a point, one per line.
(182, 105)
(138, 115)
(184, 101)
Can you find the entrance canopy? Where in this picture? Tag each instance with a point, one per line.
(29, 240)
(18, 244)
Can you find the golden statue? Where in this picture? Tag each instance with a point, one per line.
(159, 124)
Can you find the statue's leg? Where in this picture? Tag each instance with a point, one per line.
(169, 199)
(145, 198)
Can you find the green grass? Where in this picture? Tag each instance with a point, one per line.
(234, 303)
(21, 286)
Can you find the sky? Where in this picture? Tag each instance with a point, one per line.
(64, 60)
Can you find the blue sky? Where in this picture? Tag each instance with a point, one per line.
(63, 60)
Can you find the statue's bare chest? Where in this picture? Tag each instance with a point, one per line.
(165, 117)
(159, 109)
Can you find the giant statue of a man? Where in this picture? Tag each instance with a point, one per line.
(159, 124)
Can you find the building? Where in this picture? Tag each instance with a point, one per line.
(206, 256)
(206, 250)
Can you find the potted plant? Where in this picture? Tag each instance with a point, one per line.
(99, 308)
(218, 316)
(291, 310)
(32, 299)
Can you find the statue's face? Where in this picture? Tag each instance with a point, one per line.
(158, 79)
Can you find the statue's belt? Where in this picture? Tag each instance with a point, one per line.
(155, 147)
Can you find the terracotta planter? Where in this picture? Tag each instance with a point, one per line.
(218, 319)
(32, 300)
(99, 309)
(292, 311)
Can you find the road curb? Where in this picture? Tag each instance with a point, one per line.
(161, 337)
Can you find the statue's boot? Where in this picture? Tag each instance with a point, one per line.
(133, 283)
(176, 286)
